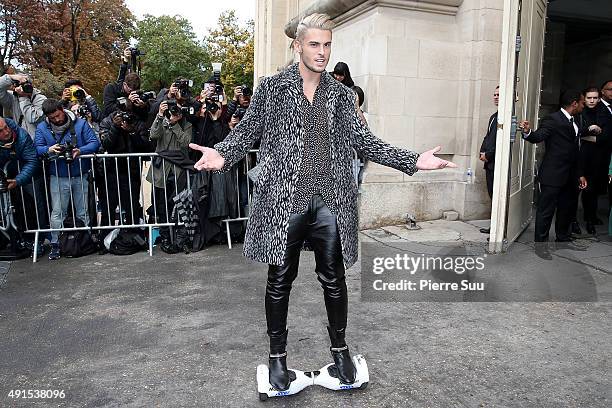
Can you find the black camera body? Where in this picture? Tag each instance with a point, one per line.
(175, 109)
(66, 152)
(146, 96)
(239, 113)
(128, 117)
(246, 90)
(136, 52)
(184, 86)
(26, 86)
(210, 105)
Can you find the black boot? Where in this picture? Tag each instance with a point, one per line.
(343, 367)
(277, 365)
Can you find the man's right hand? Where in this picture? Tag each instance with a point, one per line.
(483, 157)
(210, 160)
(55, 149)
(237, 92)
(163, 107)
(66, 94)
(524, 126)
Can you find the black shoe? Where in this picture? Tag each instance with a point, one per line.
(597, 221)
(541, 251)
(590, 227)
(343, 368)
(576, 228)
(279, 376)
(485, 230)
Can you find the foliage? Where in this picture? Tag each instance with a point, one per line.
(233, 45)
(171, 51)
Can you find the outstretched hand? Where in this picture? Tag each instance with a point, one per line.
(210, 160)
(428, 161)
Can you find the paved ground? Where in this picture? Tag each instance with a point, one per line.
(189, 331)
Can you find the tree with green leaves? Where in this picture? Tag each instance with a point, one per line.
(171, 50)
(232, 43)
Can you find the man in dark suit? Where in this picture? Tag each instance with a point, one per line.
(487, 151)
(559, 174)
(604, 120)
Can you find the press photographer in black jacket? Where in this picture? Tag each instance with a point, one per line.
(121, 132)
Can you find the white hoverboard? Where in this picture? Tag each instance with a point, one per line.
(325, 378)
(266, 390)
(304, 379)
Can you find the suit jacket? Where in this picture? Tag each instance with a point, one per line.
(560, 163)
(274, 117)
(604, 120)
(488, 143)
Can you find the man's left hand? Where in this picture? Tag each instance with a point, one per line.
(12, 183)
(583, 183)
(428, 161)
(76, 152)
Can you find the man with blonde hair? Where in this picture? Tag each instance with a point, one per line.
(305, 189)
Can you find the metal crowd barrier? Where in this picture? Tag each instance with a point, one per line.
(248, 163)
(39, 191)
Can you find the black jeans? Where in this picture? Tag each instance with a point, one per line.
(318, 225)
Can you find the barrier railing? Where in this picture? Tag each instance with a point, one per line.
(115, 185)
(112, 183)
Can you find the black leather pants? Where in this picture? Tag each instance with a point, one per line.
(317, 225)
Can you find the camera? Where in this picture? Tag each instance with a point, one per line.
(136, 52)
(83, 111)
(175, 109)
(183, 86)
(26, 86)
(3, 182)
(210, 105)
(239, 113)
(145, 96)
(246, 90)
(66, 152)
(128, 117)
(76, 93)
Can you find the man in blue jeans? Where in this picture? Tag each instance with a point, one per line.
(62, 138)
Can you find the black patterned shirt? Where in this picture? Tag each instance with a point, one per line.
(315, 170)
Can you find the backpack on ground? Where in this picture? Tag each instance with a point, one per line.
(128, 241)
(74, 244)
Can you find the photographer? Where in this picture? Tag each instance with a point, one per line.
(221, 203)
(63, 137)
(76, 99)
(17, 147)
(242, 99)
(179, 91)
(125, 92)
(172, 132)
(121, 132)
(18, 95)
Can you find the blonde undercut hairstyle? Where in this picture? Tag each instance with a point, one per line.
(317, 20)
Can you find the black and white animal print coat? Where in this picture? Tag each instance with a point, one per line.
(274, 117)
